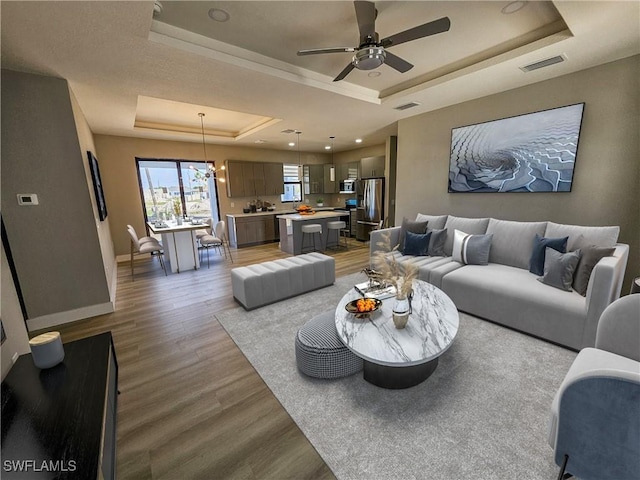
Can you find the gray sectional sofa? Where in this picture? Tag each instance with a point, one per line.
(505, 292)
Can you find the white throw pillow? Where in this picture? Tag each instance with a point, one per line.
(471, 249)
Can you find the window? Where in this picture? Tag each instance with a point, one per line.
(167, 186)
(292, 184)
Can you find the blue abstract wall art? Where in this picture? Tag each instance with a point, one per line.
(535, 152)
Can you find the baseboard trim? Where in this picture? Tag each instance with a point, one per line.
(113, 288)
(47, 321)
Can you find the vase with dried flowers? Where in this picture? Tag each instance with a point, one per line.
(177, 210)
(401, 276)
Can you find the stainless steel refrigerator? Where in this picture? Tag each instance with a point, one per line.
(370, 206)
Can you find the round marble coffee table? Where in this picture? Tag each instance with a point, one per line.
(400, 358)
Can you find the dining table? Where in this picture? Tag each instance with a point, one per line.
(179, 243)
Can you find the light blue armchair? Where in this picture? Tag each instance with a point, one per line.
(595, 415)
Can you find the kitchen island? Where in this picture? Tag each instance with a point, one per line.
(291, 229)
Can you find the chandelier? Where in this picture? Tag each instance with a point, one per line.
(211, 170)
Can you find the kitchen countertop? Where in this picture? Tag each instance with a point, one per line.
(288, 211)
(317, 215)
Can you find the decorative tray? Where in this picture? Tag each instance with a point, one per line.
(352, 307)
(375, 290)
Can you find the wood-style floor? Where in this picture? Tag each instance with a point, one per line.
(191, 405)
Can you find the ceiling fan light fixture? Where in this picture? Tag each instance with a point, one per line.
(369, 58)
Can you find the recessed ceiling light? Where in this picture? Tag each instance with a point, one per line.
(374, 74)
(292, 144)
(260, 141)
(358, 140)
(327, 147)
(218, 15)
(513, 7)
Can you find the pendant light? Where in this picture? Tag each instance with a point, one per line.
(332, 169)
(210, 169)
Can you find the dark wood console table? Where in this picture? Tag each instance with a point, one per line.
(61, 422)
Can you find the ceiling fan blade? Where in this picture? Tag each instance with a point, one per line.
(344, 72)
(366, 16)
(396, 62)
(315, 51)
(432, 28)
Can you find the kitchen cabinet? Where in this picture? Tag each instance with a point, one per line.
(330, 183)
(248, 185)
(372, 167)
(253, 179)
(274, 179)
(251, 230)
(313, 179)
(235, 182)
(348, 171)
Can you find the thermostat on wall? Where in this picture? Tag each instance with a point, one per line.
(27, 199)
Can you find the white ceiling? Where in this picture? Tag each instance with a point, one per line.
(134, 75)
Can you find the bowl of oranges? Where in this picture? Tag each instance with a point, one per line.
(363, 307)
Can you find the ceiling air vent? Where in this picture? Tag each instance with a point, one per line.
(406, 106)
(288, 130)
(543, 63)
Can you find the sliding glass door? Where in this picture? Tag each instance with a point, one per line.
(171, 188)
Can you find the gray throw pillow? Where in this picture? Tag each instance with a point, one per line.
(590, 256)
(559, 268)
(436, 242)
(410, 226)
(471, 249)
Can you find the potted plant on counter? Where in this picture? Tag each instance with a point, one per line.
(320, 202)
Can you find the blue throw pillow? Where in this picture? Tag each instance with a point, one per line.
(416, 243)
(536, 263)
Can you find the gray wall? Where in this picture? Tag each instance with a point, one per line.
(607, 174)
(55, 245)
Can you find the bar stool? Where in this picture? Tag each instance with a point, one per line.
(312, 229)
(339, 226)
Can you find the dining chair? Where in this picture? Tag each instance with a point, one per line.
(142, 240)
(217, 241)
(137, 248)
(221, 233)
(207, 229)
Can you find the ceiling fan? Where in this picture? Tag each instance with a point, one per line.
(372, 52)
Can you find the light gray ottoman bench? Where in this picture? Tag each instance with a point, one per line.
(268, 282)
(319, 351)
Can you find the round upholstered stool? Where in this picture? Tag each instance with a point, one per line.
(315, 230)
(319, 351)
(337, 228)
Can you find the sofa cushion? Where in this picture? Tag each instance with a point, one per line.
(513, 297)
(416, 243)
(410, 226)
(436, 242)
(471, 249)
(473, 226)
(436, 222)
(511, 244)
(599, 236)
(559, 268)
(536, 263)
(590, 255)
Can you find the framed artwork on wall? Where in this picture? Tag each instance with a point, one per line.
(97, 185)
(534, 152)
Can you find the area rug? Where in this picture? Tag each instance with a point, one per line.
(483, 414)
